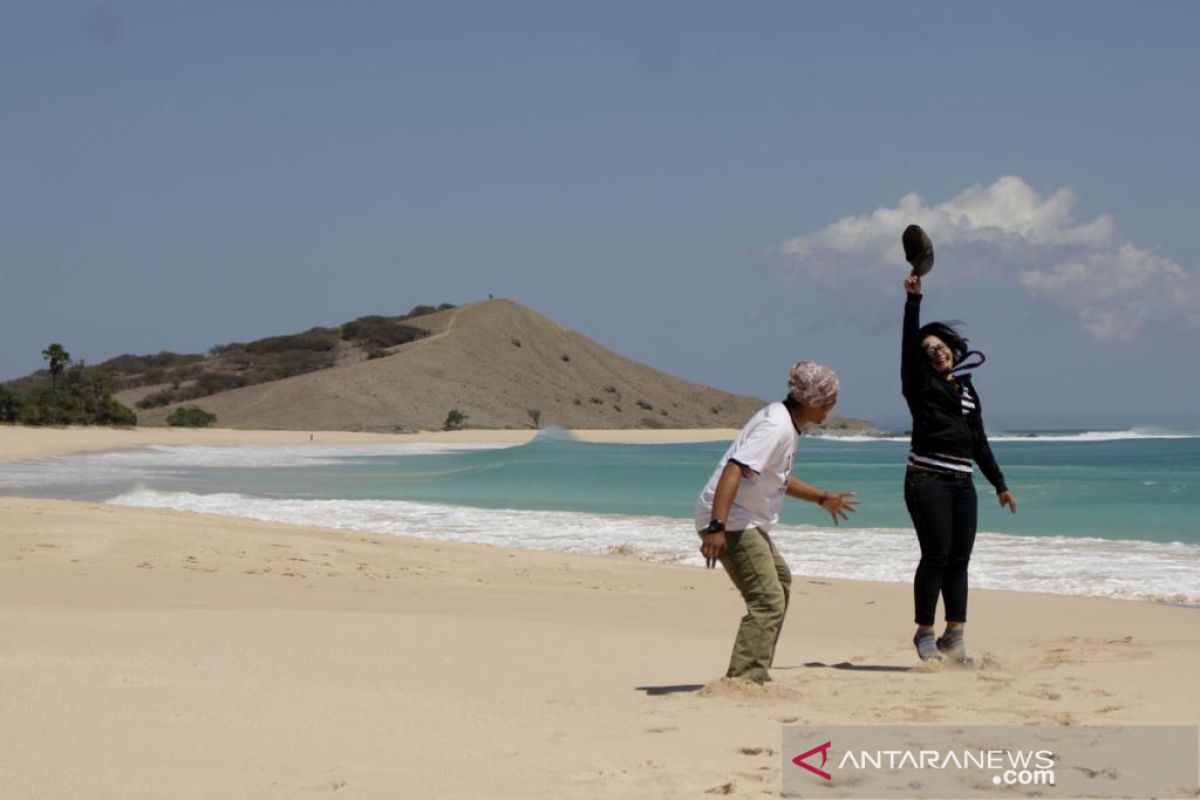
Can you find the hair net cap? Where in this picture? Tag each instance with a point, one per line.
(812, 384)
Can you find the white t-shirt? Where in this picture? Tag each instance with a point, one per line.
(767, 445)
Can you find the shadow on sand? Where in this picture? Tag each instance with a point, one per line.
(846, 665)
(655, 691)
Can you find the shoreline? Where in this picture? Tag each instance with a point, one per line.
(18, 442)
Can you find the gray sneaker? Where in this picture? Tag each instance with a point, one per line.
(927, 649)
(955, 649)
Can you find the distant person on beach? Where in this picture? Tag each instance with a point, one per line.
(947, 436)
(741, 503)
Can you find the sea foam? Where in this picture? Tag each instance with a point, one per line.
(1056, 565)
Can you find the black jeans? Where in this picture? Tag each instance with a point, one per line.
(944, 510)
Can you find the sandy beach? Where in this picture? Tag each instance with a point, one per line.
(150, 654)
(20, 442)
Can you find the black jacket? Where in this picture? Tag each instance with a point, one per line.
(938, 424)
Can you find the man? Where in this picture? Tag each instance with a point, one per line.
(741, 503)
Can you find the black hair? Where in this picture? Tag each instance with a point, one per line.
(948, 333)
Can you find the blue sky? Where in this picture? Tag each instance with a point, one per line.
(706, 187)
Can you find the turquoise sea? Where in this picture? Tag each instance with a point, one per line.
(1109, 513)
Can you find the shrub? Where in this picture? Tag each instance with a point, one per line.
(191, 417)
(155, 400)
(213, 382)
(318, 339)
(129, 363)
(380, 331)
(11, 405)
(222, 349)
(454, 420)
(82, 396)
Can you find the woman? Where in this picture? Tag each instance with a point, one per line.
(947, 436)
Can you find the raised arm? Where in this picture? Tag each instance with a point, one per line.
(910, 347)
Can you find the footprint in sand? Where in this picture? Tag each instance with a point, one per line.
(756, 751)
(753, 777)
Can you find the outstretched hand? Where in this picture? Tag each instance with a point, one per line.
(912, 284)
(839, 504)
(1006, 499)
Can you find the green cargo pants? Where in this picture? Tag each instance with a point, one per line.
(762, 576)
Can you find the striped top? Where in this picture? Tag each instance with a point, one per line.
(968, 402)
(939, 462)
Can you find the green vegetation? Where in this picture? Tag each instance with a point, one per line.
(380, 332)
(178, 378)
(454, 420)
(58, 359)
(77, 395)
(191, 417)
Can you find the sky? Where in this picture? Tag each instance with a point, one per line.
(716, 189)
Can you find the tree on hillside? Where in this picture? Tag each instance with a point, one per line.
(191, 417)
(84, 397)
(58, 358)
(454, 420)
(535, 415)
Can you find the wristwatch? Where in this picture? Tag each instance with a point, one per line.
(715, 526)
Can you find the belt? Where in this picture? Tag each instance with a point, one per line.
(949, 474)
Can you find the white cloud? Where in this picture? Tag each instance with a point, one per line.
(1114, 288)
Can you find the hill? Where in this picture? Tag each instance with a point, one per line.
(176, 377)
(497, 362)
